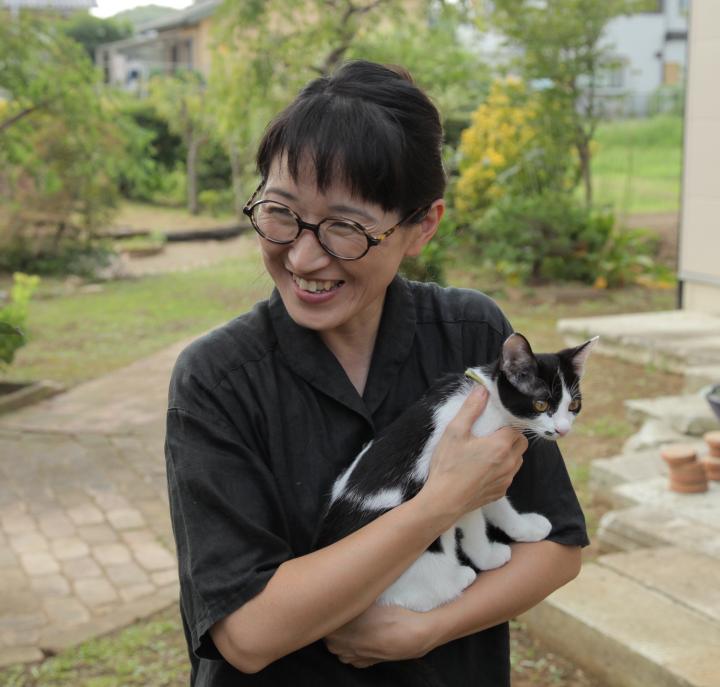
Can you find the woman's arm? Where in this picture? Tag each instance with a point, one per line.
(535, 571)
(311, 596)
(391, 633)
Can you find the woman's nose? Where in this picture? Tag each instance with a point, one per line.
(306, 254)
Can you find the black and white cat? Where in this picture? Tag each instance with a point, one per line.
(538, 394)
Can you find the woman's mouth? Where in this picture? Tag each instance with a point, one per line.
(316, 285)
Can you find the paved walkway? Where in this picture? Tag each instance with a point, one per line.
(85, 538)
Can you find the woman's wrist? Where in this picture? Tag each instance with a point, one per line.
(435, 507)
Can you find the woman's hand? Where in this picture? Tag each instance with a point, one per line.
(467, 472)
(381, 633)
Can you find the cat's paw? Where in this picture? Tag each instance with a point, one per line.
(530, 527)
(492, 556)
(466, 576)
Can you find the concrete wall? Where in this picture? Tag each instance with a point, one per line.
(700, 220)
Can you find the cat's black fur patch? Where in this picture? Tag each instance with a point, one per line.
(388, 464)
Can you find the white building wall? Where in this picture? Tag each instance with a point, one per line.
(637, 40)
(700, 218)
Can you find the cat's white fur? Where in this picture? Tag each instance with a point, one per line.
(436, 578)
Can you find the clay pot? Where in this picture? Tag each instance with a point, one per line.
(711, 464)
(688, 473)
(712, 439)
(678, 454)
(682, 488)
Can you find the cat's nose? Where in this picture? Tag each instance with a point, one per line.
(562, 427)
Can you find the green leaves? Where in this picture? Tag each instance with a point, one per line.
(14, 314)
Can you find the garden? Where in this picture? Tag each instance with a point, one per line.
(548, 207)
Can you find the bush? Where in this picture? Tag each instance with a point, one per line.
(550, 236)
(13, 316)
(509, 148)
(83, 259)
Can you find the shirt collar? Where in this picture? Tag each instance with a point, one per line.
(307, 355)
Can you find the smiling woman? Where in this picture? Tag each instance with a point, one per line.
(266, 411)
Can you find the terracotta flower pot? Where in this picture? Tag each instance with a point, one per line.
(678, 454)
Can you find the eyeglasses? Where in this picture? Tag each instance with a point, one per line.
(340, 237)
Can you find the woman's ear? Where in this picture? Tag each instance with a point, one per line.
(426, 228)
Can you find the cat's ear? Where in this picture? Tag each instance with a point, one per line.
(518, 363)
(579, 355)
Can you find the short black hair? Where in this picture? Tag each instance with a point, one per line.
(369, 124)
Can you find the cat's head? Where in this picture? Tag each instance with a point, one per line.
(541, 391)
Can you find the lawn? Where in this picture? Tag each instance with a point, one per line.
(637, 164)
(83, 333)
(78, 332)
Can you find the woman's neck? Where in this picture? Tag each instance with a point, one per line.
(353, 347)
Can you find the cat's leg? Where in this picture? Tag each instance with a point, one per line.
(432, 580)
(518, 526)
(486, 555)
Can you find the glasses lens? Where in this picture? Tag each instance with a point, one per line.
(275, 221)
(344, 239)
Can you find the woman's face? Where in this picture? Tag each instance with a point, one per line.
(319, 291)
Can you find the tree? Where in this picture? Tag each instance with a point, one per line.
(265, 52)
(58, 142)
(92, 31)
(181, 100)
(559, 45)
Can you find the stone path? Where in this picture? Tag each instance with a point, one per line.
(85, 538)
(183, 256)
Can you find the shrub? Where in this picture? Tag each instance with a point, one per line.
(509, 149)
(13, 316)
(550, 236)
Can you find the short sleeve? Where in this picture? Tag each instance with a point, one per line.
(542, 485)
(227, 519)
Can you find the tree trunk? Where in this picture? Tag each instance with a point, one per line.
(583, 148)
(193, 147)
(236, 168)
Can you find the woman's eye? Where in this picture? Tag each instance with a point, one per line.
(574, 405)
(540, 406)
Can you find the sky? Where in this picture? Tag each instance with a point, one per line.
(106, 8)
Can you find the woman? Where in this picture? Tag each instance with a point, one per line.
(267, 410)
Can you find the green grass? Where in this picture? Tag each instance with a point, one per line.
(83, 335)
(151, 653)
(637, 164)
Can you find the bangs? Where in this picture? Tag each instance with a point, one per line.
(344, 140)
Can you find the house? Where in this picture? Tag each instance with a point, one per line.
(646, 52)
(58, 7)
(181, 41)
(699, 259)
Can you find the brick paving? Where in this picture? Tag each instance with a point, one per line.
(85, 538)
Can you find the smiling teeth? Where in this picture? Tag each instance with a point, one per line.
(315, 286)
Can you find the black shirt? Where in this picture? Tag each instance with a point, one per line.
(262, 419)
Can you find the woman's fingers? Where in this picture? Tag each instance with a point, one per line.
(470, 410)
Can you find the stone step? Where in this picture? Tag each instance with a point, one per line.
(689, 414)
(622, 621)
(676, 340)
(652, 526)
(634, 466)
(698, 377)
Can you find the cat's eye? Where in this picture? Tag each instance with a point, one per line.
(574, 405)
(540, 406)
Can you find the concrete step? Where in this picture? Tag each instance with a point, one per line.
(676, 340)
(622, 621)
(652, 526)
(689, 414)
(631, 467)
